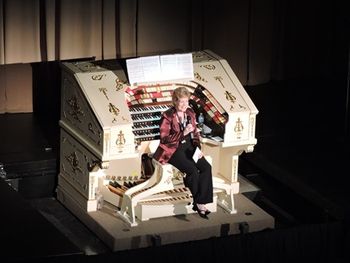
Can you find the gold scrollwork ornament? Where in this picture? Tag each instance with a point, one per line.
(198, 55)
(74, 162)
(119, 84)
(98, 76)
(91, 129)
(76, 111)
(209, 66)
(199, 77)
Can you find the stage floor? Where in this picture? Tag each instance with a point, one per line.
(118, 235)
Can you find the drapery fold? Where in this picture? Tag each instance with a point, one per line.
(47, 30)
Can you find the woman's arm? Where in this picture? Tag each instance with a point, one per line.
(196, 134)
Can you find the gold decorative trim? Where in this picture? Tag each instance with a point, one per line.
(63, 167)
(113, 109)
(119, 84)
(98, 76)
(91, 128)
(229, 96)
(252, 126)
(85, 67)
(199, 77)
(76, 111)
(74, 162)
(104, 91)
(168, 180)
(239, 128)
(234, 169)
(120, 142)
(99, 138)
(208, 66)
(198, 54)
(219, 78)
(94, 165)
(242, 107)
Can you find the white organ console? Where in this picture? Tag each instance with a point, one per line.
(108, 125)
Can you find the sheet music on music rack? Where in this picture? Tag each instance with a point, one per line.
(160, 68)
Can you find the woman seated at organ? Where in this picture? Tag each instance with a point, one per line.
(179, 138)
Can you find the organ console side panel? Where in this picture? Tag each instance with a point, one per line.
(77, 116)
(76, 163)
(108, 126)
(217, 77)
(235, 112)
(96, 128)
(103, 92)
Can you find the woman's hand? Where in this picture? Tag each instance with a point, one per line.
(189, 128)
(200, 155)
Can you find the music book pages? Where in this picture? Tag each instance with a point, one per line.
(160, 68)
(196, 155)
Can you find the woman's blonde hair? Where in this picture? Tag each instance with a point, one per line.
(180, 92)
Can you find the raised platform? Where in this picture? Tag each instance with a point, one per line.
(118, 235)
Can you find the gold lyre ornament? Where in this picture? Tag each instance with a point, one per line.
(120, 141)
(238, 128)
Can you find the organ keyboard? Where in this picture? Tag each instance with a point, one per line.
(107, 125)
(146, 121)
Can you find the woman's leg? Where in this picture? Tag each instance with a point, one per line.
(187, 166)
(205, 182)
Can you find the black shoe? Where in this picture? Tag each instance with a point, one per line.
(207, 212)
(201, 213)
(195, 208)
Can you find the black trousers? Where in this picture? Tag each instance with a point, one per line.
(198, 175)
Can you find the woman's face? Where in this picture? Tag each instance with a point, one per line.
(182, 104)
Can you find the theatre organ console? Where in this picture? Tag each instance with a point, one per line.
(109, 128)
